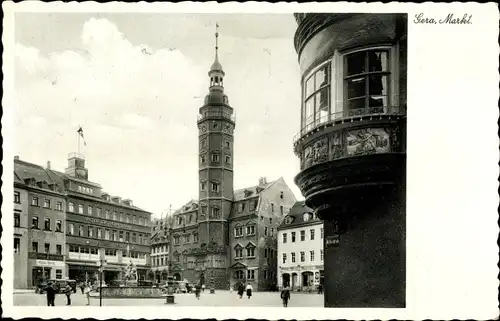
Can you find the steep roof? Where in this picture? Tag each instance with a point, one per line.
(252, 191)
(187, 207)
(24, 170)
(296, 216)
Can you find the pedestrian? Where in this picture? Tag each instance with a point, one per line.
(230, 288)
(203, 288)
(320, 289)
(285, 296)
(67, 291)
(87, 293)
(241, 289)
(82, 287)
(51, 294)
(197, 290)
(249, 289)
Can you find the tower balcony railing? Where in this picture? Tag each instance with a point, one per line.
(347, 115)
(76, 155)
(217, 114)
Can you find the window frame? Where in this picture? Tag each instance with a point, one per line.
(307, 124)
(17, 197)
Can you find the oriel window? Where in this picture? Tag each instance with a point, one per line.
(316, 104)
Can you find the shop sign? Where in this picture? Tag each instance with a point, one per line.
(49, 263)
(332, 240)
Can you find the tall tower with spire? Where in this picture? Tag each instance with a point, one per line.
(216, 123)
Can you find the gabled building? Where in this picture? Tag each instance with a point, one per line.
(160, 246)
(39, 226)
(300, 249)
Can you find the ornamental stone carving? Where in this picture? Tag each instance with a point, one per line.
(336, 146)
(228, 129)
(316, 153)
(367, 141)
(395, 139)
(203, 128)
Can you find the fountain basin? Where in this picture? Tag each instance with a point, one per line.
(132, 292)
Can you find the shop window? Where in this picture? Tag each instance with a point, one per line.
(58, 274)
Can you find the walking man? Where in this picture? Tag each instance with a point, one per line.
(241, 289)
(87, 292)
(67, 291)
(285, 295)
(51, 294)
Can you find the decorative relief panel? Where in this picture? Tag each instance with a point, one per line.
(395, 139)
(336, 146)
(203, 128)
(367, 141)
(316, 153)
(203, 143)
(228, 129)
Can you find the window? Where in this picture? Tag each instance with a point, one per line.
(238, 231)
(46, 203)
(265, 274)
(366, 81)
(316, 98)
(46, 248)
(251, 230)
(215, 212)
(177, 240)
(110, 252)
(58, 274)
(272, 231)
(106, 214)
(90, 209)
(241, 207)
(17, 197)
(239, 253)
(272, 207)
(215, 187)
(282, 209)
(250, 274)
(106, 234)
(293, 237)
(187, 238)
(80, 230)
(202, 159)
(34, 201)
(265, 253)
(114, 216)
(293, 257)
(71, 229)
(71, 207)
(302, 235)
(321, 255)
(34, 222)
(134, 219)
(302, 256)
(284, 258)
(239, 275)
(90, 231)
(99, 233)
(46, 224)
(127, 236)
(59, 206)
(215, 158)
(80, 209)
(203, 210)
(203, 186)
(17, 245)
(127, 219)
(228, 144)
(228, 159)
(281, 195)
(58, 226)
(265, 231)
(251, 252)
(284, 237)
(58, 249)
(321, 232)
(311, 254)
(134, 238)
(34, 247)
(17, 220)
(98, 212)
(253, 205)
(114, 235)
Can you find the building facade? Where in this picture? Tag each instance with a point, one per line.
(226, 236)
(300, 250)
(63, 222)
(160, 247)
(39, 220)
(352, 149)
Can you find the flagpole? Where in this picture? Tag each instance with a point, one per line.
(78, 134)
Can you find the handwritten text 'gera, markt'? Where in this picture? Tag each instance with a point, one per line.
(451, 19)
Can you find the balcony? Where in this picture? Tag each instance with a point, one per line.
(216, 115)
(351, 115)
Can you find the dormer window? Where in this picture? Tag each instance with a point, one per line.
(288, 220)
(241, 207)
(306, 217)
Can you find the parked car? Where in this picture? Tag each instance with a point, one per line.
(59, 284)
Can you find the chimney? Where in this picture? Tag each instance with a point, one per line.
(48, 164)
(262, 181)
(16, 157)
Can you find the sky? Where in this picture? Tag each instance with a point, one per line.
(135, 82)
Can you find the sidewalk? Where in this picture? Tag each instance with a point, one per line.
(19, 291)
